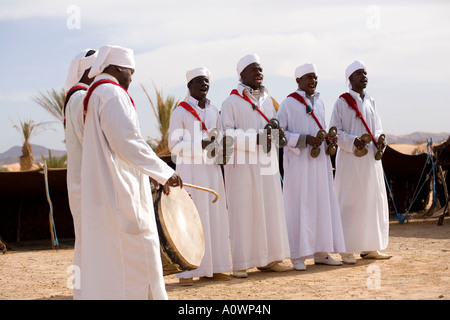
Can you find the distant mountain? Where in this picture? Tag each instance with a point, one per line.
(12, 155)
(417, 137)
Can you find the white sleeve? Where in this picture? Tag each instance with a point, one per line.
(124, 138)
(292, 138)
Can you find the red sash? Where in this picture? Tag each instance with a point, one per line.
(353, 105)
(95, 85)
(189, 108)
(254, 106)
(309, 110)
(66, 100)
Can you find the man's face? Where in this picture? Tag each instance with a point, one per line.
(252, 75)
(308, 83)
(358, 80)
(125, 76)
(199, 87)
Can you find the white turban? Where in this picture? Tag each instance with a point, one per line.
(107, 55)
(77, 67)
(197, 72)
(305, 69)
(356, 65)
(245, 61)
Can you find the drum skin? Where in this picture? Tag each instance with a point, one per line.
(180, 230)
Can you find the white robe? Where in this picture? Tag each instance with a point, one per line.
(252, 182)
(359, 181)
(312, 210)
(196, 168)
(120, 245)
(74, 139)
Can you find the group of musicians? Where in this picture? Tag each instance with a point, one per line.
(260, 220)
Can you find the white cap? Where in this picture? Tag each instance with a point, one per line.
(77, 67)
(305, 69)
(245, 61)
(197, 72)
(107, 55)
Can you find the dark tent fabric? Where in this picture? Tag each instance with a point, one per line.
(24, 208)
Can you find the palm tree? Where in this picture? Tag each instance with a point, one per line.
(52, 101)
(162, 109)
(29, 129)
(54, 161)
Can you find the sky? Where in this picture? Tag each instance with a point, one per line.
(404, 44)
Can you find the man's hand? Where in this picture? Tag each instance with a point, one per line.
(174, 181)
(313, 141)
(359, 144)
(332, 140)
(265, 140)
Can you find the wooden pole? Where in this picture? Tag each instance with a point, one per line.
(50, 215)
(444, 184)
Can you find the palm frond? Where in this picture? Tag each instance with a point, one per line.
(162, 110)
(28, 128)
(52, 101)
(54, 161)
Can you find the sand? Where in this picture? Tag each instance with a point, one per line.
(419, 269)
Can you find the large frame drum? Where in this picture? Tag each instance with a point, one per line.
(180, 230)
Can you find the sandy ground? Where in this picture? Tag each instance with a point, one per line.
(419, 269)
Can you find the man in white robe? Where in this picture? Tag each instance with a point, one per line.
(359, 181)
(120, 245)
(77, 82)
(189, 143)
(311, 206)
(252, 179)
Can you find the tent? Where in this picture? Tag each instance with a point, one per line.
(25, 206)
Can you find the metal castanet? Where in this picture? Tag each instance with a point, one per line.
(332, 147)
(281, 140)
(381, 146)
(272, 124)
(211, 150)
(226, 147)
(315, 150)
(220, 149)
(362, 152)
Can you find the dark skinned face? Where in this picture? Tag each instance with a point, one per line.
(358, 80)
(199, 87)
(308, 83)
(85, 78)
(252, 75)
(123, 75)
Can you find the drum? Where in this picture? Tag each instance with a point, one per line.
(180, 230)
